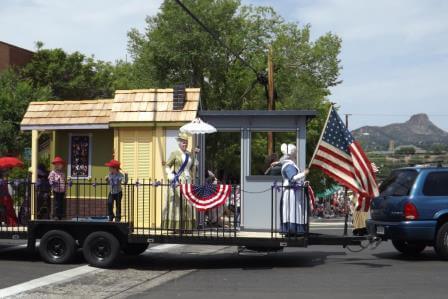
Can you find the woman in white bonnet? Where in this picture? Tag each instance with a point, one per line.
(293, 214)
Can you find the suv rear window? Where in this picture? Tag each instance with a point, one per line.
(436, 184)
(399, 183)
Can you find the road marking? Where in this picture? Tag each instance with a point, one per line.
(46, 280)
(62, 276)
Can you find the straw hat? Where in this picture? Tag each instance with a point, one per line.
(182, 136)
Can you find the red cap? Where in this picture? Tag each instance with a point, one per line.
(113, 163)
(58, 160)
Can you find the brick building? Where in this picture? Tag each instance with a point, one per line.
(11, 55)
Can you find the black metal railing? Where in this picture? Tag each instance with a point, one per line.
(150, 207)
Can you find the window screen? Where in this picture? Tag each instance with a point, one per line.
(436, 184)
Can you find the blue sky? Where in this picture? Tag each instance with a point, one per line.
(394, 55)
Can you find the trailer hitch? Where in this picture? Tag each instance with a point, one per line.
(372, 243)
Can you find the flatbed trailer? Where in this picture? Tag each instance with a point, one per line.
(102, 241)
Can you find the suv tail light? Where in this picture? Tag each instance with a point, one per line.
(410, 211)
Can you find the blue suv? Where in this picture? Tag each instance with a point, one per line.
(412, 210)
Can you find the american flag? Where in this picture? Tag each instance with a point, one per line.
(341, 157)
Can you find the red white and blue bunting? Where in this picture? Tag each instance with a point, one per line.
(207, 196)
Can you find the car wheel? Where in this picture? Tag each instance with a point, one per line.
(135, 249)
(101, 249)
(57, 247)
(408, 248)
(441, 244)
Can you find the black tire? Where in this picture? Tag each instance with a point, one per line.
(441, 244)
(407, 248)
(135, 249)
(57, 247)
(101, 249)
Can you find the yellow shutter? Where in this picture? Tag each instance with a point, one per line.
(144, 205)
(135, 156)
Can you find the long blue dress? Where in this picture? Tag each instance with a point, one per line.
(293, 214)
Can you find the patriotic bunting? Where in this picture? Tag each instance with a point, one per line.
(207, 196)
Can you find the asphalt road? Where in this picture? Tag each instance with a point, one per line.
(219, 272)
(18, 265)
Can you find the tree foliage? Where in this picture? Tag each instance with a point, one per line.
(53, 74)
(173, 49)
(15, 94)
(76, 76)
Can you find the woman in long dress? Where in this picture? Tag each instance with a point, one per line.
(293, 211)
(6, 202)
(179, 214)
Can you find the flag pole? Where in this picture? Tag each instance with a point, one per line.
(321, 134)
(346, 201)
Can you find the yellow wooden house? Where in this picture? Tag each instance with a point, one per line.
(137, 127)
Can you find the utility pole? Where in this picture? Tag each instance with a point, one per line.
(346, 119)
(270, 98)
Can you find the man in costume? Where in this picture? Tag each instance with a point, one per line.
(293, 215)
(180, 168)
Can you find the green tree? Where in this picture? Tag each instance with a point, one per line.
(15, 95)
(405, 150)
(76, 76)
(173, 49)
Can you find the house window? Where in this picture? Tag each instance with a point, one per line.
(80, 156)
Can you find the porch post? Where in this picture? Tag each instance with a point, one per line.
(34, 157)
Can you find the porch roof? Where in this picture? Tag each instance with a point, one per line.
(79, 114)
(128, 107)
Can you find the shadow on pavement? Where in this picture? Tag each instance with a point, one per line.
(427, 255)
(22, 254)
(172, 261)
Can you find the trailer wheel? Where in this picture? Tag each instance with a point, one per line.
(101, 249)
(57, 247)
(441, 244)
(135, 249)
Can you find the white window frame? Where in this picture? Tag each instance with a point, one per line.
(69, 165)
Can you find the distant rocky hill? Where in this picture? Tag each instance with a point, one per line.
(418, 131)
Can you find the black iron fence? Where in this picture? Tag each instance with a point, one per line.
(151, 208)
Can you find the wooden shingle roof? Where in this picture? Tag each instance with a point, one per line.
(128, 106)
(67, 114)
(153, 105)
